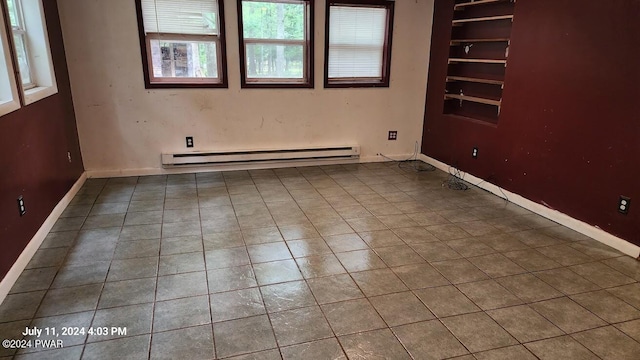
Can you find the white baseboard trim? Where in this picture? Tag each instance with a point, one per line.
(563, 219)
(37, 239)
(198, 169)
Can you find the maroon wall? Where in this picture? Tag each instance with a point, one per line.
(568, 136)
(34, 141)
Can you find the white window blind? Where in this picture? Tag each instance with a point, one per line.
(356, 41)
(193, 17)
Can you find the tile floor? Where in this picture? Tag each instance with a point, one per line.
(359, 261)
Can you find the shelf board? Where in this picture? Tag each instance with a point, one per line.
(481, 61)
(487, 18)
(473, 99)
(464, 41)
(478, 120)
(473, 3)
(475, 80)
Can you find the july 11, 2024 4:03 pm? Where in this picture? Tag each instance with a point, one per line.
(49, 337)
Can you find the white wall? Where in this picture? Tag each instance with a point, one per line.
(123, 126)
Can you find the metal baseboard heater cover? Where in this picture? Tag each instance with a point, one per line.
(314, 154)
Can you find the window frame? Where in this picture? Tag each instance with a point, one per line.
(386, 52)
(12, 102)
(21, 31)
(151, 82)
(308, 55)
(35, 35)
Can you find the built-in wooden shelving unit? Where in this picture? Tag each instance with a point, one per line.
(471, 41)
(474, 99)
(462, 5)
(478, 57)
(480, 19)
(474, 80)
(480, 61)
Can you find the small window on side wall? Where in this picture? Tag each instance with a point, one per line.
(276, 43)
(31, 48)
(182, 43)
(358, 43)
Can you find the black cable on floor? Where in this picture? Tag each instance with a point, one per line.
(454, 182)
(412, 163)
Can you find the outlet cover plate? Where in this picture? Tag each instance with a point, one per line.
(21, 208)
(624, 204)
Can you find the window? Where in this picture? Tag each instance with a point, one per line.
(276, 43)
(182, 43)
(32, 53)
(358, 43)
(8, 88)
(20, 42)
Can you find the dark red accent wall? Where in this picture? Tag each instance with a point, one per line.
(568, 136)
(34, 141)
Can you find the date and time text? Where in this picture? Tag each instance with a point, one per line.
(53, 337)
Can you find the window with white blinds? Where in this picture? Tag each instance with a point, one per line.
(182, 42)
(194, 17)
(358, 43)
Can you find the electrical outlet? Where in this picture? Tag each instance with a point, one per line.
(623, 204)
(474, 153)
(21, 207)
(189, 141)
(393, 135)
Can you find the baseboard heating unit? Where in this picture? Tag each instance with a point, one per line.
(264, 157)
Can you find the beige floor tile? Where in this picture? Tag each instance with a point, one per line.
(609, 343)
(400, 308)
(352, 316)
(446, 301)
(441, 343)
(524, 323)
(478, 332)
(379, 342)
(560, 348)
(567, 315)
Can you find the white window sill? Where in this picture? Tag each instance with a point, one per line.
(9, 106)
(39, 93)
